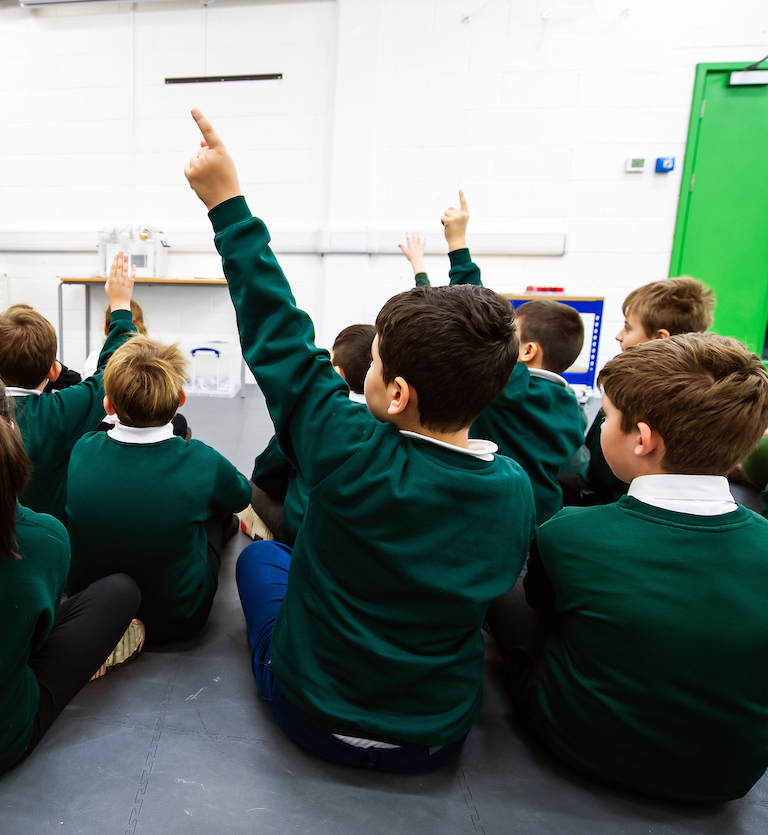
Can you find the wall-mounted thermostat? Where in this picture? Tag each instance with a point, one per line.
(665, 164)
(635, 165)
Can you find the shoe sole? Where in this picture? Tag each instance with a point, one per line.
(128, 647)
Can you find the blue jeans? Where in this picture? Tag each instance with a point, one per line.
(262, 578)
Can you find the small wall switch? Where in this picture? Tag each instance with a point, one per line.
(664, 165)
(635, 165)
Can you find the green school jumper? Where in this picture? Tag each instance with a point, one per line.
(404, 543)
(30, 591)
(275, 475)
(537, 421)
(141, 509)
(51, 424)
(655, 676)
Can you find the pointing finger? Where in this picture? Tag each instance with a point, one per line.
(210, 137)
(463, 201)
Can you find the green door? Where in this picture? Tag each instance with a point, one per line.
(721, 235)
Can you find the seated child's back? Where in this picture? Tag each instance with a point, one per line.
(145, 502)
(52, 422)
(655, 677)
(536, 419)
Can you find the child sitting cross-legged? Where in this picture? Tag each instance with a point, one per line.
(654, 676)
(144, 501)
(49, 649)
(370, 653)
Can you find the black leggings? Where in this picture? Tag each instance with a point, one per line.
(87, 627)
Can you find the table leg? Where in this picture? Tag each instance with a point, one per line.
(61, 323)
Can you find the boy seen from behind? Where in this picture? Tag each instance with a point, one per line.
(654, 311)
(148, 501)
(52, 422)
(536, 419)
(654, 676)
(371, 654)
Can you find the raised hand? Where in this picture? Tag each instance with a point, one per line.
(414, 251)
(211, 172)
(119, 285)
(455, 223)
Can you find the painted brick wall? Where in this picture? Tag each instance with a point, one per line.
(385, 109)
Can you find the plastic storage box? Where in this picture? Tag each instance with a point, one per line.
(214, 367)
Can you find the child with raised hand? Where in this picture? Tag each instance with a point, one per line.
(143, 501)
(371, 654)
(51, 423)
(463, 270)
(536, 419)
(654, 677)
(49, 650)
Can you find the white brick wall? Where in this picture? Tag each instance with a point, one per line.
(385, 109)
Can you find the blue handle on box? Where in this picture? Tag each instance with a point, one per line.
(212, 350)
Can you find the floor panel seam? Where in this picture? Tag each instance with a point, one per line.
(133, 817)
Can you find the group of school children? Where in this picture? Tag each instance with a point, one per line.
(632, 627)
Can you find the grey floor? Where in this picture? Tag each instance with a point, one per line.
(178, 742)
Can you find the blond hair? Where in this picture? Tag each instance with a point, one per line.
(143, 380)
(679, 305)
(706, 395)
(27, 346)
(137, 314)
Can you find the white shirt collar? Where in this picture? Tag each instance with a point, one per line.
(356, 398)
(702, 495)
(477, 448)
(140, 434)
(548, 375)
(18, 391)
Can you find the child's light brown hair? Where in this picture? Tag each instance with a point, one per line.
(679, 305)
(143, 380)
(27, 346)
(706, 395)
(556, 328)
(137, 314)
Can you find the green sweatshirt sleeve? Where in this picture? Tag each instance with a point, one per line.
(231, 489)
(539, 591)
(463, 268)
(120, 326)
(80, 408)
(317, 425)
(272, 470)
(422, 280)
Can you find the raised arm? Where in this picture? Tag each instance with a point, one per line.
(414, 252)
(463, 269)
(317, 425)
(119, 290)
